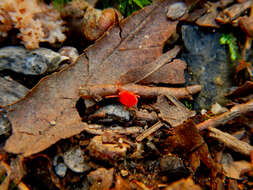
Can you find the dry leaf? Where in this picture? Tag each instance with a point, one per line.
(172, 111)
(141, 73)
(183, 184)
(48, 114)
(235, 169)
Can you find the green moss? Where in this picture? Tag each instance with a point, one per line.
(230, 40)
(59, 4)
(188, 104)
(127, 7)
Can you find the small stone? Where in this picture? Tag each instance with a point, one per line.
(35, 62)
(176, 10)
(11, 91)
(124, 173)
(203, 111)
(218, 109)
(5, 125)
(173, 165)
(52, 123)
(61, 169)
(105, 151)
(69, 52)
(74, 159)
(111, 113)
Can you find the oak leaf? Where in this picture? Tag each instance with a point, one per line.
(48, 113)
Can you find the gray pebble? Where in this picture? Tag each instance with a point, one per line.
(61, 169)
(35, 62)
(74, 159)
(111, 113)
(11, 91)
(5, 125)
(176, 10)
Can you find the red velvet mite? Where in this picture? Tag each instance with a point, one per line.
(128, 98)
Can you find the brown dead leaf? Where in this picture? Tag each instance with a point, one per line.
(186, 139)
(143, 72)
(101, 179)
(183, 184)
(171, 73)
(235, 169)
(172, 111)
(48, 114)
(121, 184)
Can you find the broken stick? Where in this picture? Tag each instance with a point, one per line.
(99, 91)
(149, 131)
(222, 119)
(230, 141)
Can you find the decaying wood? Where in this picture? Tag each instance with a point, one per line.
(99, 129)
(233, 12)
(222, 119)
(99, 91)
(230, 141)
(149, 131)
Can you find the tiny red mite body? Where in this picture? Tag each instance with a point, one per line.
(128, 98)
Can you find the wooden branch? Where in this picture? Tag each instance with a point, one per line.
(222, 119)
(99, 91)
(149, 131)
(230, 141)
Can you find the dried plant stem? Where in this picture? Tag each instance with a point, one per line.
(149, 131)
(99, 91)
(222, 119)
(230, 141)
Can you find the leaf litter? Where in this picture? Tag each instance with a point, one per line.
(53, 100)
(130, 52)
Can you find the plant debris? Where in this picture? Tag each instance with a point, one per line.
(154, 102)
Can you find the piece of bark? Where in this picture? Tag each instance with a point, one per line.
(54, 99)
(246, 24)
(172, 111)
(230, 141)
(244, 90)
(138, 74)
(99, 129)
(208, 19)
(222, 119)
(231, 13)
(99, 91)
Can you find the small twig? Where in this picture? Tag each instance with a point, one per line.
(99, 91)
(149, 131)
(222, 119)
(230, 141)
